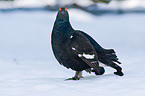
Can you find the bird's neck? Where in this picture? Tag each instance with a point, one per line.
(63, 26)
(61, 31)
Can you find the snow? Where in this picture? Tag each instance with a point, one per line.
(28, 66)
(124, 4)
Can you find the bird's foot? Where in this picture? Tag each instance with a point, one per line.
(77, 76)
(73, 78)
(119, 73)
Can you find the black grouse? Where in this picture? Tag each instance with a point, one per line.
(77, 50)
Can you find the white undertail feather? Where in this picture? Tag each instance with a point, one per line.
(101, 64)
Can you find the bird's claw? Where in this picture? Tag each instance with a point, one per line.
(73, 78)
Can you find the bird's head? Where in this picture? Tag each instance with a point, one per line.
(63, 14)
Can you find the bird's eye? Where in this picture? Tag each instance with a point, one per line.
(65, 9)
(60, 9)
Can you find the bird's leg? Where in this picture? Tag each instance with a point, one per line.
(80, 74)
(77, 76)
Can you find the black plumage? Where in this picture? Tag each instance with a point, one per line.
(77, 50)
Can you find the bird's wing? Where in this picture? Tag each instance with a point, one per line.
(83, 48)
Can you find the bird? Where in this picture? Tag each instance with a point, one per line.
(78, 51)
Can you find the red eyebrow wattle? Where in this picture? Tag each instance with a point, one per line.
(65, 9)
(60, 9)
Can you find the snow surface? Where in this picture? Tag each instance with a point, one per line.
(28, 67)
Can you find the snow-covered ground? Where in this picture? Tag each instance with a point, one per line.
(28, 67)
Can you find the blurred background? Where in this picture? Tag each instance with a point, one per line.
(29, 68)
(92, 6)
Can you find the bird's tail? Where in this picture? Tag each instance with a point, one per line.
(108, 55)
(109, 58)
